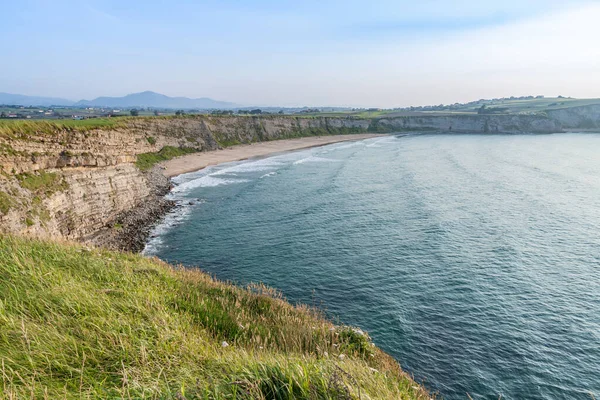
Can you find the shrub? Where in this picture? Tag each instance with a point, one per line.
(355, 341)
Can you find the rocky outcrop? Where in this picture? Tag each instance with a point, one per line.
(84, 184)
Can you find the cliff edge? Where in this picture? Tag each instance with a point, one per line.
(95, 181)
(88, 323)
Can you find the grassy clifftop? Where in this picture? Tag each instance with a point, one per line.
(19, 127)
(86, 323)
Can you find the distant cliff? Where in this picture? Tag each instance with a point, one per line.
(585, 117)
(82, 182)
(473, 124)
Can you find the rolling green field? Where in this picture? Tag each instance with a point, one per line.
(84, 323)
(508, 106)
(529, 106)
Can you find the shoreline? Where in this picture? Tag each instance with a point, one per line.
(197, 161)
(135, 225)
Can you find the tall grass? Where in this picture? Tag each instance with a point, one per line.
(86, 323)
(20, 127)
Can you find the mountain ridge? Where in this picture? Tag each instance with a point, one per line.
(141, 99)
(24, 100)
(157, 100)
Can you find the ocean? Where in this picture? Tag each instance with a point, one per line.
(474, 260)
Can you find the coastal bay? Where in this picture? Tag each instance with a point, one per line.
(197, 161)
(472, 259)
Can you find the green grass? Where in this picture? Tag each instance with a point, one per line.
(224, 142)
(79, 323)
(42, 182)
(145, 161)
(6, 203)
(20, 127)
(6, 149)
(515, 106)
(361, 114)
(537, 105)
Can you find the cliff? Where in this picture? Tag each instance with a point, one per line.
(473, 123)
(585, 117)
(81, 182)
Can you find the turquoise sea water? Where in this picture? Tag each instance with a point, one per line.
(472, 259)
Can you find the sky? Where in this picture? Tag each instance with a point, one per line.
(377, 53)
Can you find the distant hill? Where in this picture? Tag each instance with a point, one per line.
(143, 99)
(22, 100)
(156, 100)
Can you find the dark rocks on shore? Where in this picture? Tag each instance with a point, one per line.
(130, 230)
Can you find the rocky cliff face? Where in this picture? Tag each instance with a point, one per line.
(84, 185)
(474, 123)
(585, 117)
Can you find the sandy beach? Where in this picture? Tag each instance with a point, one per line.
(197, 161)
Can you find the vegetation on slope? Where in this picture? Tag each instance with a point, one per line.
(81, 323)
(6, 203)
(42, 182)
(145, 161)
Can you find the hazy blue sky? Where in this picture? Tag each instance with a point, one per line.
(304, 52)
